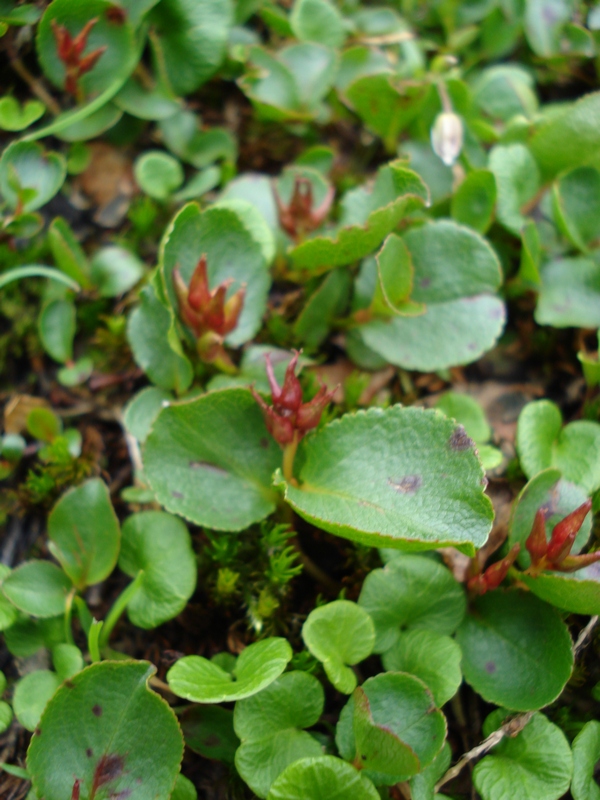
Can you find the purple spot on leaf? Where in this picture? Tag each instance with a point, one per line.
(177, 495)
(97, 710)
(406, 485)
(460, 440)
(490, 667)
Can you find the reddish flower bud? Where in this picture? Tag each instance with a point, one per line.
(298, 216)
(70, 49)
(280, 428)
(573, 563)
(288, 397)
(309, 414)
(536, 542)
(495, 574)
(565, 532)
(208, 312)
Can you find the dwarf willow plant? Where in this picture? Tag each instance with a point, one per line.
(403, 251)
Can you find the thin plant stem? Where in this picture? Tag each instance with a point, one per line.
(68, 611)
(289, 454)
(119, 607)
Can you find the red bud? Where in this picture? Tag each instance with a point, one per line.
(565, 532)
(536, 542)
(309, 414)
(573, 563)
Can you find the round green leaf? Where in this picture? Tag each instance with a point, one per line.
(576, 206)
(424, 486)
(189, 38)
(577, 592)
(160, 546)
(158, 174)
(38, 588)
(84, 533)
(517, 651)
(14, 117)
(586, 754)
(270, 725)
(318, 21)
(91, 125)
(468, 413)
(558, 497)
(154, 104)
(235, 239)
(184, 789)
(67, 660)
(208, 730)
(8, 613)
(202, 681)
(411, 592)
(142, 410)
(56, 326)
(432, 657)
(6, 716)
(155, 344)
(517, 180)
(105, 728)
(313, 68)
(32, 694)
(210, 460)
(116, 36)
(542, 442)
(77, 373)
(504, 91)
(322, 778)
(391, 727)
(534, 765)
(115, 270)
(339, 634)
(43, 424)
(570, 294)
(474, 200)
(271, 87)
(29, 177)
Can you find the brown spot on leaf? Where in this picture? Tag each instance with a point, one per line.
(460, 440)
(37, 731)
(69, 684)
(207, 466)
(109, 768)
(177, 495)
(97, 710)
(212, 740)
(490, 667)
(264, 443)
(409, 484)
(89, 752)
(116, 15)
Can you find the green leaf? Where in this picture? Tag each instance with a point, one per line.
(534, 765)
(504, 91)
(91, 125)
(6, 716)
(210, 460)
(202, 681)
(468, 413)
(517, 181)
(208, 730)
(56, 327)
(422, 786)
(115, 270)
(544, 21)
(84, 533)
(155, 345)
(8, 613)
(38, 588)
(318, 21)
(77, 373)
(313, 68)
(189, 38)
(104, 727)
(67, 660)
(322, 778)
(517, 651)
(391, 727)
(474, 201)
(32, 694)
(574, 449)
(27, 635)
(456, 275)
(570, 294)
(324, 305)
(158, 174)
(339, 634)
(411, 592)
(26, 168)
(576, 206)
(586, 754)
(118, 38)
(236, 241)
(577, 592)
(43, 424)
(184, 789)
(142, 410)
(67, 252)
(395, 275)
(271, 87)
(252, 370)
(143, 103)
(423, 476)
(14, 117)
(531, 254)
(160, 546)
(432, 657)
(569, 137)
(270, 725)
(370, 216)
(557, 497)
